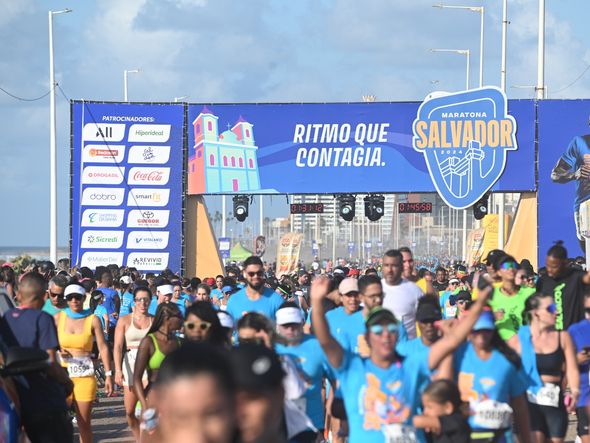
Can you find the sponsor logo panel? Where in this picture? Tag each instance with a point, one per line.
(103, 196)
(92, 259)
(149, 154)
(103, 218)
(147, 240)
(148, 260)
(102, 239)
(148, 197)
(103, 132)
(106, 175)
(149, 133)
(148, 176)
(148, 218)
(103, 153)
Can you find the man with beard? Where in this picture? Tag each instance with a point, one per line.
(305, 351)
(255, 297)
(440, 282)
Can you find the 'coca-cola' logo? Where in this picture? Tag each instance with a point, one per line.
(153, 176)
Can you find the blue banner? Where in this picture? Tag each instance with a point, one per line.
(327, 148)
(564, 149)
(127, 185)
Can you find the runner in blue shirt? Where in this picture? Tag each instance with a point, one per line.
(164, 294)
(255, 297)
(305, 351)
(126, 296)
(380, 391)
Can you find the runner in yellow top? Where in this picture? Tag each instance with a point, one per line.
(76, 331)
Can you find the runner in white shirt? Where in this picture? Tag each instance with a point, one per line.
(401, 295)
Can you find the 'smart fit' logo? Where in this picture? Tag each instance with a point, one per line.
(465, 138)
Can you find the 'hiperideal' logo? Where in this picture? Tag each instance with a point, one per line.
(465, 137)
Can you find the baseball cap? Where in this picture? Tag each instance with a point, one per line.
(379, 315)
(126, 280)
(463, 295)
(353, 272)
(227, 289)
(338, 271)
(348, 285)
(289, 315)
(454, 280)
(256, 368)
(427, 312)
(485, 321)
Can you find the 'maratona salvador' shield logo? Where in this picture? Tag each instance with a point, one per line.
(465, 137)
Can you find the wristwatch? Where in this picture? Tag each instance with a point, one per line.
(108, 373)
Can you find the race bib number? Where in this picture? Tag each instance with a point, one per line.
(491, 414)
(450, 311)
(398, 433)
(548, 395)
(79, 366)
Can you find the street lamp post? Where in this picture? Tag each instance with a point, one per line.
(465, 52)
(126, 72)
(481, 11)
(52, 146)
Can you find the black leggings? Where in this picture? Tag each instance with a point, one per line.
(551, 421)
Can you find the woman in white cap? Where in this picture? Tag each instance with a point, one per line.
(76, 330)
(130, 330)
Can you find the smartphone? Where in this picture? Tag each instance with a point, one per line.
(586, 349)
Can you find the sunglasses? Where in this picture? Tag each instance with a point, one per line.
(252, 274)
(509, 265)
(76, 297)
(552, 308)
(203, 326)
(142, 300)
(53, 294)
(378, 329)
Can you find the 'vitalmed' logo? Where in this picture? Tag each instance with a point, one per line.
(148, 197)
(103, 196)
(149, 154)
(148, 218)
(95, 258)
(103, 218)
(103, 153)
(148, 176)
(152, 261)
(147, 240)
(102, 239)
(105, 175)
(465, 138)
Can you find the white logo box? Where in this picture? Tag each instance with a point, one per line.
(92, 259)
(157, 261)
(148, 218)
(103, 132)
(147, 240)
(149, 133)
(149, 154)
(148, 176)
(103, 196)
(103, 153)
(103, 218)
(102, 239)
(103, 175)
(147, 197)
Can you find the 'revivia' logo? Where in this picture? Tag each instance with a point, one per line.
(465, 138)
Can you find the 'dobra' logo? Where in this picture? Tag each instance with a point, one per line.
(465, 137)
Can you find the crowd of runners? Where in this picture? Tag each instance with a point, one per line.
(389, 352)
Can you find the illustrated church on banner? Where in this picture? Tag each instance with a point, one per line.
(223, 162)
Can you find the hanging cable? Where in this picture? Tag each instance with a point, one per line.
(22, 99)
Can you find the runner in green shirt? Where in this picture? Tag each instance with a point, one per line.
(509, 298)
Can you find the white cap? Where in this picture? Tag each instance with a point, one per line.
(289, 315)
(74, 289)
(126, 280)
(165, 289)
(225, 319)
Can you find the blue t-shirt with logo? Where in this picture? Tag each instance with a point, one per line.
(127, 303)
(375, 397)
(268, 304)
(181, 305)
(574, 157)
(580, 333)
(310, 361)
(492, 379)
(109, 304)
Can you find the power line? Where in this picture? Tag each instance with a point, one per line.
(576, 80)
(62, 92)
(22, 99)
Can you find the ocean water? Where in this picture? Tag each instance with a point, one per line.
(39, 253)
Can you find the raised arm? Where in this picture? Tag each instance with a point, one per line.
(449, 342)
(332, 349)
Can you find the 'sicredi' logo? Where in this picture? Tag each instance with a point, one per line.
(465, 137)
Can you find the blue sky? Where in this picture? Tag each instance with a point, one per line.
(256, 51)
